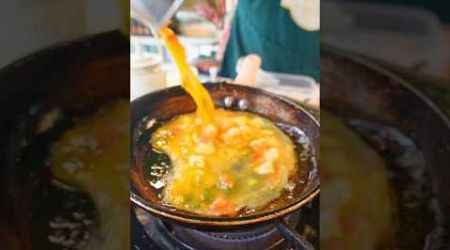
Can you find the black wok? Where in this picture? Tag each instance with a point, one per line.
(169, 103)
(75, 79)
(354, 87)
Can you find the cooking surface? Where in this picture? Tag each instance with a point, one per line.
(150, 233)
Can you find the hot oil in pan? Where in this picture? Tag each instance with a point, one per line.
(91, 156)
(79, 198)
(54, 215)
(157, 167)
(410, 184)
(237, 160)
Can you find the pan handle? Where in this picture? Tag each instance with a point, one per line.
(297, 241)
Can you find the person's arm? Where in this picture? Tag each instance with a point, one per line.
(212, 10)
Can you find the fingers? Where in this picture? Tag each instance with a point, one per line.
(247, 70)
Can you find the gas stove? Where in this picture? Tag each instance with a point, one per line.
(152, 233)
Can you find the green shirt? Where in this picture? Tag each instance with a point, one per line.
(265, 28)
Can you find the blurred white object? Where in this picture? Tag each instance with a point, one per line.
(299, 87)
(192, 25)
(194, 47)
(398, 34)
(198, 30)
(39, 24)
(305, 13)
(146, 75)
(173, 76)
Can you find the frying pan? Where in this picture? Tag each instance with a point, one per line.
(356, 87)
(81, 76)
(169, 103)
(76, 78)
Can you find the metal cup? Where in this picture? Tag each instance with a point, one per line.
(154, 13)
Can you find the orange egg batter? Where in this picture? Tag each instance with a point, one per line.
(238, 160)
(93, 157)
(191, 83)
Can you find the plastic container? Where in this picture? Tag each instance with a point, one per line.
(146, 75)
(299, 87)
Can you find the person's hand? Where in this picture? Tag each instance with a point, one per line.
(212, 10)
(247, 68)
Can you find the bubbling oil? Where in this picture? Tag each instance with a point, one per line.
(158, 170)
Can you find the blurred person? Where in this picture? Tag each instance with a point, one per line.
(285, 34)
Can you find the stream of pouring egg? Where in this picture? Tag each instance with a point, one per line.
(190, 82)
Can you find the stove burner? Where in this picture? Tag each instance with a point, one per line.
(164, 235)
(157, 234)
(259, 237)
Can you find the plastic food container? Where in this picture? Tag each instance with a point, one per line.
(145, 75)
(299, 87)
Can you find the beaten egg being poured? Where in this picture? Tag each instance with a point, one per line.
(191, 83)
(222, 161)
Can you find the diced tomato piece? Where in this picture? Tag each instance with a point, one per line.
(227, 180)
(175, 131)
(222, 206)
(275, 176)
(257, 154)
(208, 133)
